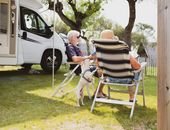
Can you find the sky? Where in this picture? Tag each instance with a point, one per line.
(118, 11)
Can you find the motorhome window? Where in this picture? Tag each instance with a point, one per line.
(3, 18)
(33, 23)
(41, 26)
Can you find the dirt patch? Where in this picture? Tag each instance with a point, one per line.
(71, 125)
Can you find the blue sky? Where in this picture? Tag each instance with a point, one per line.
(118, 11)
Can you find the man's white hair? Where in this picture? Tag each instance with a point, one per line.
(72, 33)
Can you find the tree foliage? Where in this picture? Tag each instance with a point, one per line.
(77, 14)
(119, 31)
(138, 38)
(76, 11)
(98, 23)
(145, 29)
(61, 27)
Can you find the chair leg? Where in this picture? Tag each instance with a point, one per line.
(134, 100)
(64, 83)
(92, 107)
(108, 92)
(143, 92)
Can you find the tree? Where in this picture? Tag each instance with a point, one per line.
(119, 31)
(101, 23)
(145, 29)
(61, 27)
(132, 17)
(79, 10)
(137, 39)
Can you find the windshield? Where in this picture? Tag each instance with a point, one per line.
(48, 15)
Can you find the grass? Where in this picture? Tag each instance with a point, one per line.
(26, 104)
(151, 71)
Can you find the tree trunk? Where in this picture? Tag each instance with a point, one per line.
(59, 9)
(132, 17)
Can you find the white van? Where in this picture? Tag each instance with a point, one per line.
(26, 38)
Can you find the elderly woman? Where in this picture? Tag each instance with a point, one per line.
(109, 35)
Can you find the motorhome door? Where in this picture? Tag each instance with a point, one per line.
(7, 27)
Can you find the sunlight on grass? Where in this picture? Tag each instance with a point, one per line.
(26, 103)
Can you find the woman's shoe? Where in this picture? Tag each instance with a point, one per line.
(131, 100)
(104, 94)
(101, 95)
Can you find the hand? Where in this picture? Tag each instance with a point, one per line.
(85, 57)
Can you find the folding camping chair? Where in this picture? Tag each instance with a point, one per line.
(113, 58)
(70, 76)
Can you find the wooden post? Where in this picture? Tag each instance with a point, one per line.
(167, 7)
(163, 117)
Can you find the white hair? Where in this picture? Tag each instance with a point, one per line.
(72, 33)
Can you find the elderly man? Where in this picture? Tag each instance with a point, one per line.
(73, 51)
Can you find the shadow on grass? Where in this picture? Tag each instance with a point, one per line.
(20, 103)
(144, 118)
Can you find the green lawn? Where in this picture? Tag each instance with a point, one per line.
(151, 71)
(26, 104)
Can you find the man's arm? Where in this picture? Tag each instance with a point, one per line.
(81, 58)
(77, 59)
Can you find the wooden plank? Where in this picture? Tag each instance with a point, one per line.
(168, 65)
(162, 65)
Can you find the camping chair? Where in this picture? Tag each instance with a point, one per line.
(113, 58)
(70, 76)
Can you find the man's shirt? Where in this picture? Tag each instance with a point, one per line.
(73, 51)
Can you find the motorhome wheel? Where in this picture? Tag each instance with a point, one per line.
(46, 62)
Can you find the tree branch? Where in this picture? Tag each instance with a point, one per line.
(73, 6)
(59, 10)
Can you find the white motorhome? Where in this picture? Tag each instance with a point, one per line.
(26, 38)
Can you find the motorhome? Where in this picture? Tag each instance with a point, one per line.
(26, 38)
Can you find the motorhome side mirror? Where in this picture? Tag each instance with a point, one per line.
(51, 26)
(24, 35)
(49, 32)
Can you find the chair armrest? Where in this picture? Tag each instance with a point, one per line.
(143, 65)
(139, 73)
(72, 63)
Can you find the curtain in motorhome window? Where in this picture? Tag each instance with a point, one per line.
(30, 22)
(3, 17)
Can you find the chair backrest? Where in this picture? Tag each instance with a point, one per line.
(67, 53)
(71, 63)
(113, 58)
